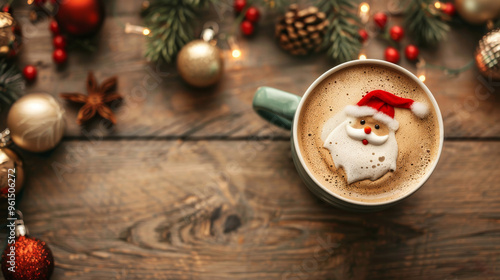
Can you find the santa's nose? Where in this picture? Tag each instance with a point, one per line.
(368, 130)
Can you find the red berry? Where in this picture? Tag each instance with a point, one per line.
(247, 28)
(239, 5)
(449, 9)
(7, 9)
(59, 42)
(411, 52)
(29, 73)
(39, 3)
(60, 56)
(252, 14)
(380, 19)
(365, 142)
(54, 27)
(392, 55)
(396, 33)
(363, 35)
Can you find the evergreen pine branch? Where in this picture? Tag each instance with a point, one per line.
(341, 38)
(171, 23)
(12, 83)
(424, 23)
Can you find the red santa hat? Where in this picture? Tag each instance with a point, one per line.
(380, 104)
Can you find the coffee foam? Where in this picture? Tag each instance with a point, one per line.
(417, 139)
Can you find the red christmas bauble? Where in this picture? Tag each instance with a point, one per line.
(80, 17)
(380, 19)
(411, 52)
(252, 14)
(247, 28)
(59, 42)
(363, 35)
(33, 260)
(392, 55)
(396, 32)
(449, 9)
(29, 73)
(239, 5)
(54, 27)
(60, 56)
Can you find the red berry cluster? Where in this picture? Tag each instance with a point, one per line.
(396, 33)
(59, 55)
(252, 15)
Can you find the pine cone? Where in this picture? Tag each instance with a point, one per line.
(301, 32)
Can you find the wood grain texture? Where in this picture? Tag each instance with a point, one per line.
(159, 104)
(238, 210)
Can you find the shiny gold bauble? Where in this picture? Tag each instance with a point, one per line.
(10, 36)
(11, 167)
(36, 122)
(478, 11)
(488, 55)
(200, 63)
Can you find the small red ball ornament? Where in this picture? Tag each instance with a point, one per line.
(363, 35)
(247, 28)
(29, 73)
(59, 42)
(252, 14)
(80, 17)
(449, 9)
(380, 20)
(54, 27)
(60, 56)
(392, 55)
(396, 32)
(411, 52)
(239, 5)
(28, 258)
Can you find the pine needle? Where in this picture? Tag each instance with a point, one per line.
(341, 38)
(425, 24)
(12, 83)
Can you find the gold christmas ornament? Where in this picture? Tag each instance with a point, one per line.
(10, 36)
(36, 122)
(200, 62)
(478, 11)
(10, 164)
(301, 32)
(488, 55)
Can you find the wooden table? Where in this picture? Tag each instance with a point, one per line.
(192, 184)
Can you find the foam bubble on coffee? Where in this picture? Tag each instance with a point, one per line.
(417, 140)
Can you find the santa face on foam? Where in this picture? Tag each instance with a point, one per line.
(364, 145)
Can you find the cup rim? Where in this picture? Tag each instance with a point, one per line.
(380, 63)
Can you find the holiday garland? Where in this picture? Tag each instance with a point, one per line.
(341, 38)
(11, 82)
(424, 23)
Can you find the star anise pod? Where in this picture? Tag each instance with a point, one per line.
(97, 99)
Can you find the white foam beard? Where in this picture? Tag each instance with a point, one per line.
(361, 161)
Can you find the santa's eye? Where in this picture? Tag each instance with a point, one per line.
(377, 126)
(362, 122)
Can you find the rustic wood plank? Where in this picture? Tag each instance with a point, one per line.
(238, 210)
(159, 104)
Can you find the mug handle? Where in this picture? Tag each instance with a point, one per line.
(276, 106)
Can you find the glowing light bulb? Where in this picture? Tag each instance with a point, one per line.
(236, 53)
(422, 77)
(438, 5)
(364, 7)
(362, 56)
(146, 31)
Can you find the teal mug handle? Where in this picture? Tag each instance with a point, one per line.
(276, 106)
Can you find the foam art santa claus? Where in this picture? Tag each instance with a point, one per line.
(364, 145)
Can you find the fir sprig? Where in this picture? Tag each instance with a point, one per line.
(426, 24)
(171, 23)
(12, 83)
(341, 38)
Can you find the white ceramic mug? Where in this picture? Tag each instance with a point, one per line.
(283, 109)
